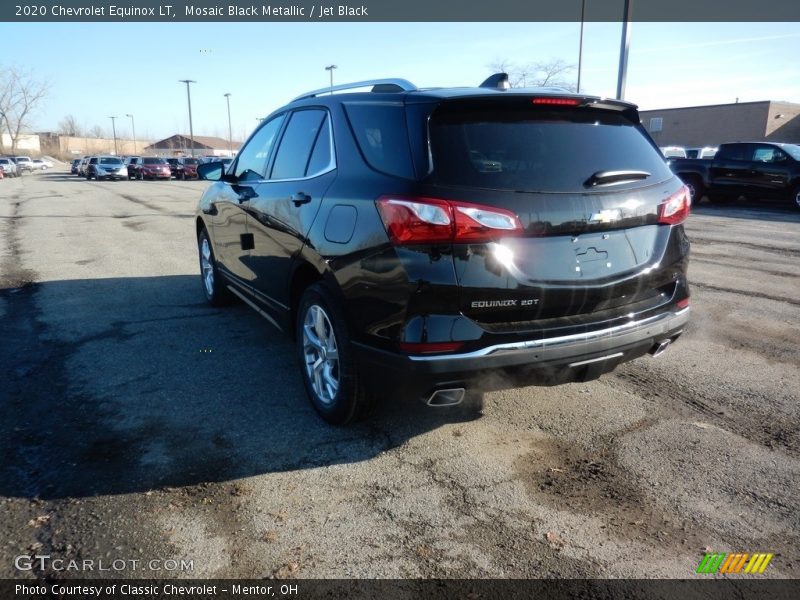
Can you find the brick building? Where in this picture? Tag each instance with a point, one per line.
(697, 126)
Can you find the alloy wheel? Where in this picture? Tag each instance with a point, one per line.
(207, 267)
(321, 354)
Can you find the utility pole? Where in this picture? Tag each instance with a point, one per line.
(330, 69)
(133, 132)
(580, 46)
(189, 100)
(623, 50)
(230, 134)
(114, 132)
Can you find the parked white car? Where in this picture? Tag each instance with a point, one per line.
(673, 152)
(41, 164)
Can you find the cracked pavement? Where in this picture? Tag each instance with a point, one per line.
(139, 423)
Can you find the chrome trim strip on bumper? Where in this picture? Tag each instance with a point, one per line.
(680, 317)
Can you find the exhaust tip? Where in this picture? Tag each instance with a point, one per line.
(448, 397)
(659, 348)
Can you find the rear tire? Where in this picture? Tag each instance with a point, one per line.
(331, 375)
(796, 197)
(697, 189)
(214, 288)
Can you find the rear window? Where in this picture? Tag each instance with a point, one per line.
(530, 149)
(381, 133)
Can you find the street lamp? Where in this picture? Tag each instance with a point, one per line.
(133, 131)
(330, 69)
(114, 131)
(189, 100)
(580, 46)
(230, 134)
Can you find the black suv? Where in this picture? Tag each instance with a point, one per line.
(436, 243)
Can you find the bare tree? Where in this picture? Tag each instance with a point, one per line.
(20, 95)
(69, 126)
(96, 132)
(553, 73)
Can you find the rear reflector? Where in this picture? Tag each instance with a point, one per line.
(425, 348)
(675, 209)
(682, 303)
(432, 220)
(558, 101)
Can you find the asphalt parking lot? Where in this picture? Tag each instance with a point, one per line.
(138, 423)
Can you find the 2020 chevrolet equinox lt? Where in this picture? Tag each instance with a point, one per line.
(436, 243)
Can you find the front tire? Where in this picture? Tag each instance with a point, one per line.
(331, 376)
(796, 197)
(214, 289)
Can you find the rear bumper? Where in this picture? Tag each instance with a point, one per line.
(576, 357)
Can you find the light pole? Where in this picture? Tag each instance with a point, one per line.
(189, 100)
(580, 46)
(625, 43)
(230, 134)
(133, 131)
(114, 131)
(330, 69)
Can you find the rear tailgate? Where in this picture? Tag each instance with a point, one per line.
(586, 183)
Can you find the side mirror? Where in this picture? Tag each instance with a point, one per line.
(213, 171)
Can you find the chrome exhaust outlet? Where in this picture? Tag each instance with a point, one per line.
(449, 397)
(659, 348)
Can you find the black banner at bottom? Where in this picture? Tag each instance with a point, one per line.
(393, 589)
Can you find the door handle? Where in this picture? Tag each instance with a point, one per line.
(300, 198)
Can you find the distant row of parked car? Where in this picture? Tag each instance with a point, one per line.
(14, 166)
(139, 167)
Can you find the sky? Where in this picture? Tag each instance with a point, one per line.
(96, 70)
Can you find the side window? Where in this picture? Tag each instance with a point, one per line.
(320, 160)
(295, 147)
(733, 152)
(251, 164)
(768, 154)
(380, 130)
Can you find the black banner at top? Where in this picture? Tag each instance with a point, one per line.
(396, 10)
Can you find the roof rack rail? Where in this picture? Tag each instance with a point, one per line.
(383, 85)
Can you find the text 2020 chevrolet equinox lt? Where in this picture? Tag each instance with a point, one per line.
(436, 243)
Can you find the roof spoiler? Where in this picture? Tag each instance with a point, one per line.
(498, 81)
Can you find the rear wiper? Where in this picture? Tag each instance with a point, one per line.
(609, 177)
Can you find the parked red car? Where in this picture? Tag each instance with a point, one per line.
(189, 170)
(152, 167)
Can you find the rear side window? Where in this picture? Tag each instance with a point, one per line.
(734, 152)
(296, 144)
(382, 136)
(530, 149)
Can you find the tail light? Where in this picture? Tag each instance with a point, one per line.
(431, 220)
(682, 303)
(675, 209)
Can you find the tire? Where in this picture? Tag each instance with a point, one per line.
(88, 177)
(796, 197)
(697, 189)
(334, 384)
(214, 289)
